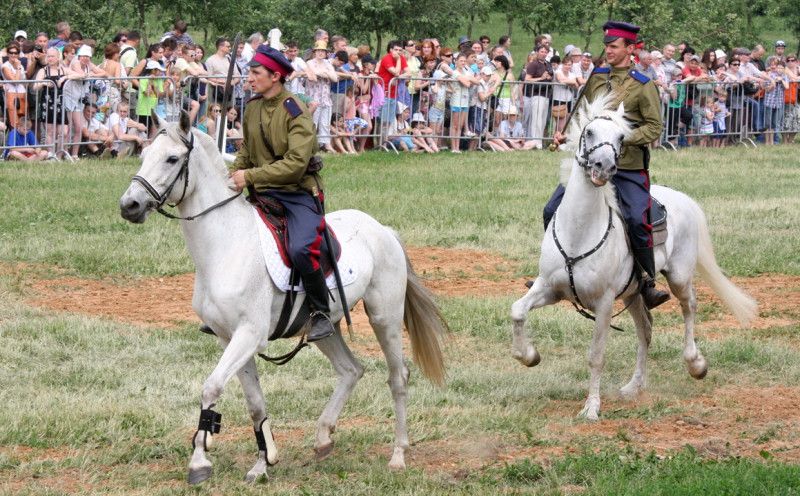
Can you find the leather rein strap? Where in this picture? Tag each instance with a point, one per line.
(184, 171)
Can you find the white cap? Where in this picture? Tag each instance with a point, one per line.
(417, 117)
(84, 51)
(656, 54)
(719, 53)
(568, 49)
(575, 51)
(274, 39)
(401, 107)
(152, 64)
(512, 110)
(20, 33)
(487, 70)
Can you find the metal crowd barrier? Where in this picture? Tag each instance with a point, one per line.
(469, 124)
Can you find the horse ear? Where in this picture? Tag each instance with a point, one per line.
(621, 109)
(184, 122)
(158, 120)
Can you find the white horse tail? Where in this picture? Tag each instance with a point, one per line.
(742, 305)
(425, 326)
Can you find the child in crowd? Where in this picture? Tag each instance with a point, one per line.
(399, 134)
(341, 138)
(128, 134)
(356, 126)
(707, 112)
(512, 132)
(24, 141)
(721, 115)
(420, 134)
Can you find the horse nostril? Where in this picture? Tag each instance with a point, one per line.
(599, 165)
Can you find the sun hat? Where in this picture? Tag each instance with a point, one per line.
(401, 107)
(321, 45)
(719, 53)
(84, 51)
(463, 39)
(512, 110)
(417, 117)
(487, 70)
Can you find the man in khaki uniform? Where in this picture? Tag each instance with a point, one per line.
(279, 140)
(632, 180)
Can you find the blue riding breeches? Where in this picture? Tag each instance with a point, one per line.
(633, 196)
(305, 225)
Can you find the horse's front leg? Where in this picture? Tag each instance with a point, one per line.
(267, 450)
(538, 295)
(603, 309)
(237, 352)
(644, 331)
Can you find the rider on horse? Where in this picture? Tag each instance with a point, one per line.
(279, 143)
(632, 181)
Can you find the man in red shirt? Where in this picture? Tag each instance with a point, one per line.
(392, 65)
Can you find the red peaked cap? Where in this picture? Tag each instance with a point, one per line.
(617, 29)
(271, 59)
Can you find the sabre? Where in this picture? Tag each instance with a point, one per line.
(227, 93)
(553, 147)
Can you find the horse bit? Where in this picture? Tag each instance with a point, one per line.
(184, 171)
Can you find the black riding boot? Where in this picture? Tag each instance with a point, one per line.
(652, 297)
(317, 295)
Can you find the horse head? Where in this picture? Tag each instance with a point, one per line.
(600, 141)
(164, 174)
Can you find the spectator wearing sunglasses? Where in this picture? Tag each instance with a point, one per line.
(15, 93)
(791, 114)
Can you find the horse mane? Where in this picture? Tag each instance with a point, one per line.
(206, 142)
(601, 106)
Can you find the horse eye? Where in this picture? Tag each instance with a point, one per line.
(172, 159)
(589, 133)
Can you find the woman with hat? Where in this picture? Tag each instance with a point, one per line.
(321, 74)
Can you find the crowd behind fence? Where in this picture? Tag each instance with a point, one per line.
(426, 114)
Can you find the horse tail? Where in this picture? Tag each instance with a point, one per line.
(742, 305)
(425, 325)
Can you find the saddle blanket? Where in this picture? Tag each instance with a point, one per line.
(280, 273)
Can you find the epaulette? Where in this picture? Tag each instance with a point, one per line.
(257, 97)
(639, 76)
(291, 106)
(601, 70)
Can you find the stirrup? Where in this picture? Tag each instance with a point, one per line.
(321, 327)
(652, 296)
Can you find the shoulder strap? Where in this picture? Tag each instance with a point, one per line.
(267, 144)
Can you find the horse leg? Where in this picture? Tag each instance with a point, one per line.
(267, 450)
(644, 330)
(237, 352)
(695, 361)
(522, 348)
(349, 371)
(603, 309)
(388, 331)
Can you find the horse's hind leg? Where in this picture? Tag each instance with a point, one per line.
(644, 330)
(537, 296)
(267, 450)
(388, 330)
(349, 371)
(237, 352)
(695, 361)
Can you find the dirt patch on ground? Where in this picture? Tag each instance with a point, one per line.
(166, 301)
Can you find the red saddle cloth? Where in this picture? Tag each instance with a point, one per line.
(276, 222)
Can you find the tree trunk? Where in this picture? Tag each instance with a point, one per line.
(510, 20)
(142, 10)
(379, 37)
(610, 10)
(469, 26)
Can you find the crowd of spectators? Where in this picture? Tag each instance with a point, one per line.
(418, 96)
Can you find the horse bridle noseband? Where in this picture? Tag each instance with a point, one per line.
(583, 158)
(184, 171)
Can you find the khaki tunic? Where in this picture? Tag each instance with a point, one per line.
(293, 139)
(642, 107)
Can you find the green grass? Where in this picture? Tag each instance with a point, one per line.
(94, 406)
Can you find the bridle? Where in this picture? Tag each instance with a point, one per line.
(161, 199)
(583, 158)
(583, 161)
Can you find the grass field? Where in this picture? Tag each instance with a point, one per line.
(94, 405)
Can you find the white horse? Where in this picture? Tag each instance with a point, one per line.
(583, 219)
(234, 295)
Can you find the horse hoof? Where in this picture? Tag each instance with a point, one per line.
(198, 475)
(253, 477)
(529, 284)
(323, 452)
(698, 368)
(531, 358)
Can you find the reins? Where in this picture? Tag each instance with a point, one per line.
(583, 161)
(184, 171)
